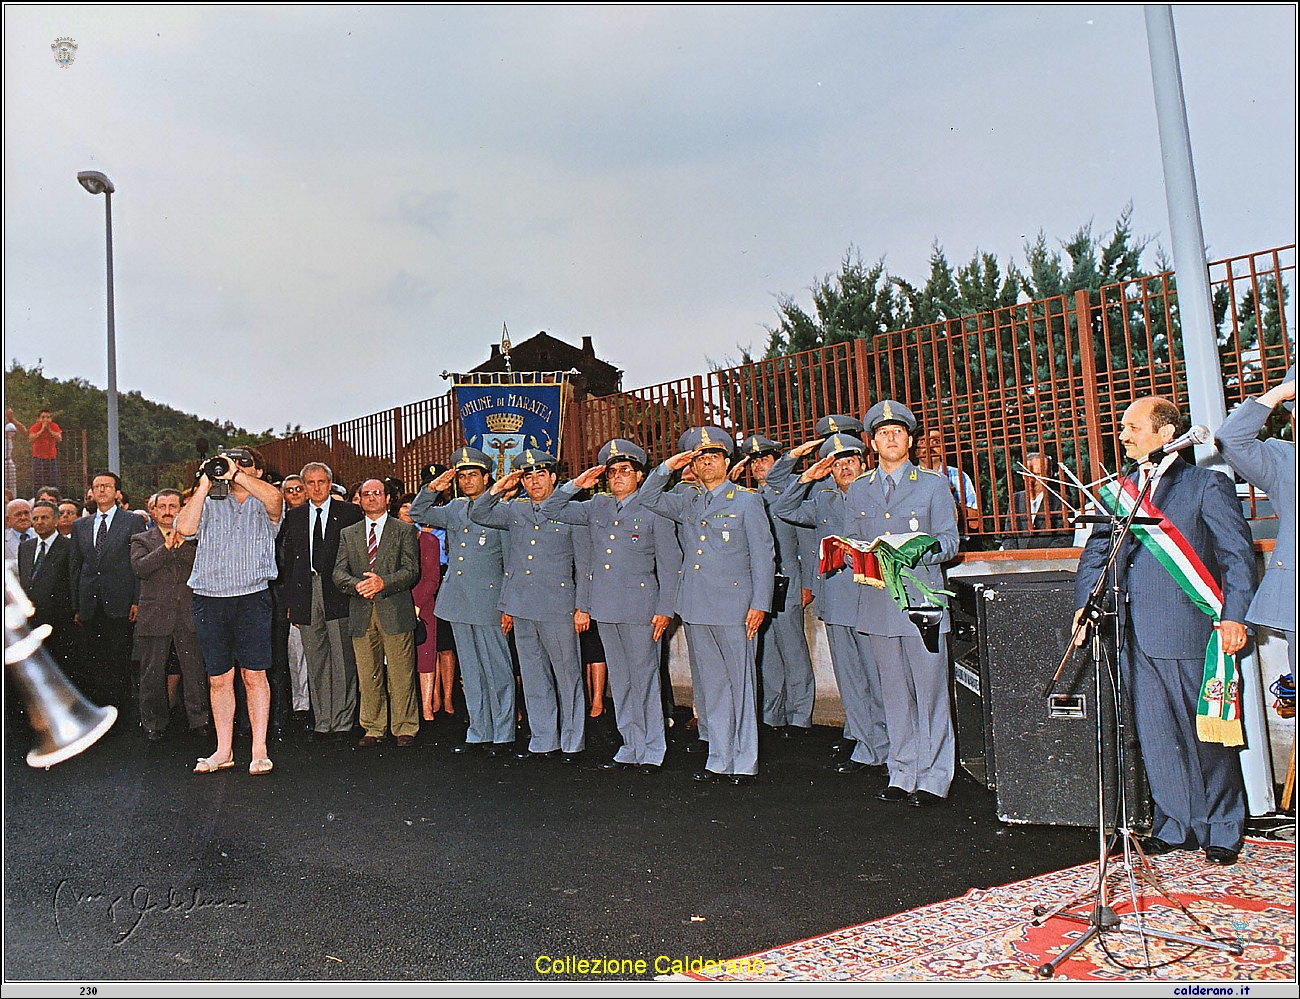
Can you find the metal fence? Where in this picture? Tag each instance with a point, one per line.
(1051, 375)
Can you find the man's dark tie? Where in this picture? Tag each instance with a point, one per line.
(40, 554)
(372, 546)
(101, 535)
(889, 487)
(318, 542)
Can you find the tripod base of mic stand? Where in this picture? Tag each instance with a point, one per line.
(1101, 919)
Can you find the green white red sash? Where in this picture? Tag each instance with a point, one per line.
(1218, 709)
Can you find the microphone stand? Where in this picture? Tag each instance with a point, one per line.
(1102, 919)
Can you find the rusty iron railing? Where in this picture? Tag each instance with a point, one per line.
(1051, 375)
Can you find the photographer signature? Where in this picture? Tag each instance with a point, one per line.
(124, 913)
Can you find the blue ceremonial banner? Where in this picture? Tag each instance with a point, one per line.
(501, 413)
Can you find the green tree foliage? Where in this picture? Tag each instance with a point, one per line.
(150, 432)
(858, 301)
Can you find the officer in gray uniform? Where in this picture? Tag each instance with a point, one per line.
(813, 501)
(726, 592)
(547, 577)
(1269, 465)
(687, 486)
(469, 598)
(897, 497)
(784, 664)
(635, 569)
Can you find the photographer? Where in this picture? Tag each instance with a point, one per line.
(234, 514)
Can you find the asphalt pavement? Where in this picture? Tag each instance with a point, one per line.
(411, 864)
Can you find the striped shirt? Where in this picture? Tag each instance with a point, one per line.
(236, 553)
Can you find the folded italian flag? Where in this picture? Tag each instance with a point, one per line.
(885, 563)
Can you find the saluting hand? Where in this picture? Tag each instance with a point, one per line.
(590, 478)
(680, 460)
(807, 447)
(818, 470)
(508, 482)
(443, 482)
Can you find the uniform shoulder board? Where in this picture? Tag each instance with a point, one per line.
(940, 475)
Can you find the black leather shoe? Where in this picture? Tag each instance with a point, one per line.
(852, 767)
(1154, 846)
(464, 747)
(923, 799)
(1221, 855)
(842, 746)
(528, 754)
(571, 757)
(648, 768)
(893, 793)
(614, 765)
(707, 776)
(498, 748)
(742, 780)
(698, 746)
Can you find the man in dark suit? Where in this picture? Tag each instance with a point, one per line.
(43, 571)
(378, 563)
(163, 561)
(309, 550)
(1196, 785)
(105, 593)
(1035, 509)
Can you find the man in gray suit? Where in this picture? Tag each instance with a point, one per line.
(635, 562)
(106, 593)
(784, 664)
(726, 591)
(378, 563)
(1269, 465)
(469, 598)
(1196, 786)
(813, 502)
(897, 497)
(163, 561)
(546, 585)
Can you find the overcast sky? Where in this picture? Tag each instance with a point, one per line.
(320, 210)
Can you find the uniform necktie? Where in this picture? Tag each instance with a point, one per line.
(101, 535)
(372, 546)
(40, 554)
(318, 542)
(889, 488)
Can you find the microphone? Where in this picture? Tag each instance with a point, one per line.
(1197, 435)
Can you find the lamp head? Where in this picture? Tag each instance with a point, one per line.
(95, 182)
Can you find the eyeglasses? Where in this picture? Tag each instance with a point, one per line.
(293, 489)
(372, 492)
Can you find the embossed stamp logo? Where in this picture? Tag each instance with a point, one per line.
(65, 50)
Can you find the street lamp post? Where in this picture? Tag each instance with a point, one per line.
(96, 183)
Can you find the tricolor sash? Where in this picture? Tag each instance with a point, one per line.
(1218, 707)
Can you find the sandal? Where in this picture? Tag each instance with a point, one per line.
(260, 766)
(208, 765)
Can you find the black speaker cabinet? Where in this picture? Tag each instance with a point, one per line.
(1037, 753)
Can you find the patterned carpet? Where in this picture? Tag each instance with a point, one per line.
(987, 933)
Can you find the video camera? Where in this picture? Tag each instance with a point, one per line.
(219, 464)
